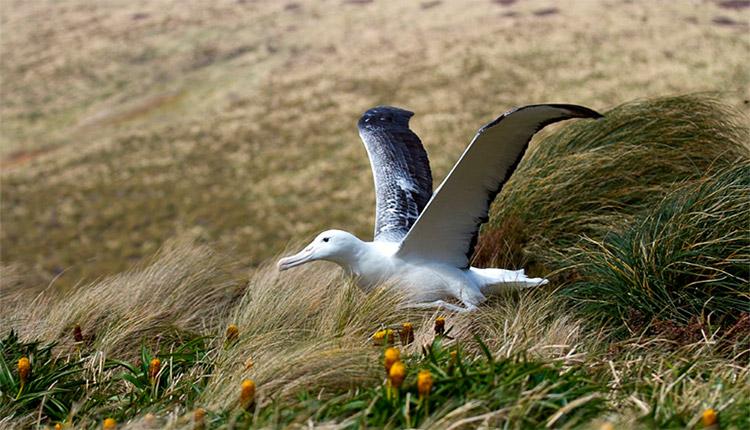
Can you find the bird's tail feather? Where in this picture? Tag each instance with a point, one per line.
(495, 281)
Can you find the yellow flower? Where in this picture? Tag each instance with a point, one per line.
(383, 336)
(58, 426)
(24, 370)
(233, 333)
(198, 418)
(440, 325)
(424, 383)
(407, 333)
(109, 424)
(391, 356)
(397, 374)
(153, 369)
(247, 395)
(709, 417)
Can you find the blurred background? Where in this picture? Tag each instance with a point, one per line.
(124, 124)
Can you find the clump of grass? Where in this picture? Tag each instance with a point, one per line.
(531, 323)
(81, 388)
(40, 382)
(592, 177)
(686, 257)
(658, 386)
(172, 379)
(305, 331)
(177, 296)
(441, 387)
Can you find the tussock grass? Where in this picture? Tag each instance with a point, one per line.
(686, 257)
(592, 177)
(308, 331)
(531, 324)
(658, 389)
(489, 390)
(178, 295)
(314, 355)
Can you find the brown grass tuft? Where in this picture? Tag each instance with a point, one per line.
(180, 293)
(308, 330)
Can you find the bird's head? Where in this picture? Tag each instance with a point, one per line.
(331, 245)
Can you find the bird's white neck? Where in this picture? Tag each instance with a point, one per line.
(367, 261)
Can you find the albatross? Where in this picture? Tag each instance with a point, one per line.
(424, 240)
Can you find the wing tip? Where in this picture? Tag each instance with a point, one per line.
(578, 111)
(571, 111)
(385, 115)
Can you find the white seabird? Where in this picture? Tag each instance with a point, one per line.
(423, 240)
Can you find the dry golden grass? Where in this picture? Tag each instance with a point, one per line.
(181, 293)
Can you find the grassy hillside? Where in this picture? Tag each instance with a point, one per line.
(156, 157)
(125, 124)
(647, 325)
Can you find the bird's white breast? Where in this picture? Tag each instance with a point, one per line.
(422, 281)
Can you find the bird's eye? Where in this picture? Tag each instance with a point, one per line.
(326, 239)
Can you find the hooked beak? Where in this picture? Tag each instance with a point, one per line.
(295, 260)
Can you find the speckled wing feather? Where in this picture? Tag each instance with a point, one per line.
(400, 168)
(447, 228)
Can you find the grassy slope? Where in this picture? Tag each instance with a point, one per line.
(126, 124)
(304, 340)
(218, 125)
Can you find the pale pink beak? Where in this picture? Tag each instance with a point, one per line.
(297, 259)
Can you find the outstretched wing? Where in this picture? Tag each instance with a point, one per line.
(400, 168)
(447, 229)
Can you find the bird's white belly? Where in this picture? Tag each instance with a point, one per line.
(421, 282)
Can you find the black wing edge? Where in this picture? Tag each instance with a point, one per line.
(578, 111)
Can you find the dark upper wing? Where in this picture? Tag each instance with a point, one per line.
(400, 168)
(447, 229)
